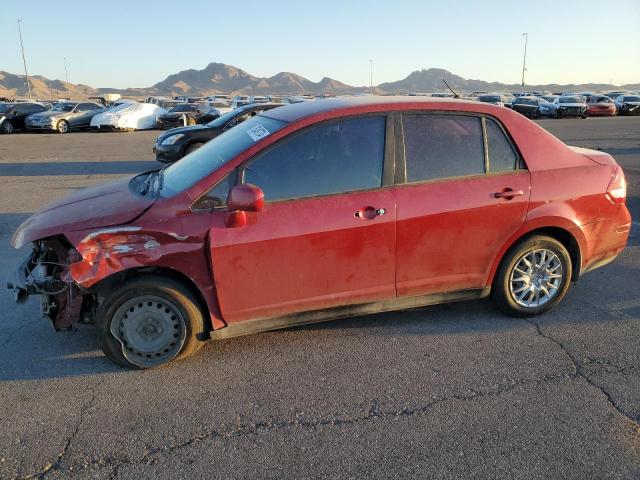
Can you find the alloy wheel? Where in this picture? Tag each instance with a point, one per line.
(536, 278)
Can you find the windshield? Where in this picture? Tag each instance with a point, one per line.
(570, 100)
(223, 119)
(526, 101)
(215, 153)
(5, 107)
(489, 98)
(600, 99)
(189, 107)
(63, 107)
(631, 99)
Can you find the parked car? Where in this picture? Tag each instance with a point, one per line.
(310, 212)
(570, 106)
(187, 114)
(494, 99)
(65, 116)
(628, 104)
(174, 144)
(13, 115)
(600, 105)
(128, 117)
(529, 106)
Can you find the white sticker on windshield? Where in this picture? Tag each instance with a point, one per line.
(257, 132)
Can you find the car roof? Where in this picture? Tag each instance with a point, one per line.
(296, 111)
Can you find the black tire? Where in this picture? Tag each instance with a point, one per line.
(558, 114)
(6, 127)
(536, 114)
(62, 126)
(192, 148)
(140, 291)
(501, 290)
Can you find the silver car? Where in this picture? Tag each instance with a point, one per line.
(64, 116)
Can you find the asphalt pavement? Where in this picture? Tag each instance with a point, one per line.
(451, 391)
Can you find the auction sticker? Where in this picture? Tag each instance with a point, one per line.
(257, 132)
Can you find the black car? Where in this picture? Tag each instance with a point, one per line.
(187, 114)
(13, 115)
(174, 144)
(628, 104)
(528, 106)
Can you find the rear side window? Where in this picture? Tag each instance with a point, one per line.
(335, 157)
(442, 146)
(502, 157)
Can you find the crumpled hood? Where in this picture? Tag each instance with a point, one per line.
(571, 105)
(101, 206)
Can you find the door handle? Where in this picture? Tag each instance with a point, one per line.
(369, 213)
(508, 193)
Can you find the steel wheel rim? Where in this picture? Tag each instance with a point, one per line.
(151, 330)
(536, 278)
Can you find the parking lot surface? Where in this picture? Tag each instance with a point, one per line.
(452, 391)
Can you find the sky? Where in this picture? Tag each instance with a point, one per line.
(139, 43)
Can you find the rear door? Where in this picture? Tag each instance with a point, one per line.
(463, 194)
(327, 234)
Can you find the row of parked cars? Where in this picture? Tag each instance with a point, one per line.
(121, 114)
(583, 105)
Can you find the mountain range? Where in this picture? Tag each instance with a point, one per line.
(219, 78)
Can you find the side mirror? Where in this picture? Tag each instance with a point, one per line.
(242, 199)
(245, 198)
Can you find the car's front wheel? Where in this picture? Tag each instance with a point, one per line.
(192, 148)
(148, 322)
(533, 277)
(6, 127)
(62, 126)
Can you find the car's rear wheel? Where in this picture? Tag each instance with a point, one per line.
(62, 126)
(6, 127)
(193, 147)
(533, 277)
(149, 322)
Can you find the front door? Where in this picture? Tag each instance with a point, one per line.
(463, 198)
(326, 237)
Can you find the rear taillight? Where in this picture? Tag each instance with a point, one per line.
(617, 189)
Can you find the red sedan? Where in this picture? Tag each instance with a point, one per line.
(600, 106)
(321, 210)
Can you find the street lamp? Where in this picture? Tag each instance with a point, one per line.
(524, 61)
(24, 61)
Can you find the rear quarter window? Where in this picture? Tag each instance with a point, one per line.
(502, 156)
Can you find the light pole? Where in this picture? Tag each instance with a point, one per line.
(524, 61)
(371, 75)
(24, 61)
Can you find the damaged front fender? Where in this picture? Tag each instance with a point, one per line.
(113, 250)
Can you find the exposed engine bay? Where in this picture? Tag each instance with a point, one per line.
(45, 272)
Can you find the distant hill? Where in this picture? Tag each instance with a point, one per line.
(221, 78)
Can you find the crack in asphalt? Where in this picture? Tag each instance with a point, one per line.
(272, 424)
(56, 464)
(579, 371)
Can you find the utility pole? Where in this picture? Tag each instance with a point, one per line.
(371, 74)
(524, 61)
(66, 75)
(24, 61)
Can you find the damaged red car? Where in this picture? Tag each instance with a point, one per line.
(321, 210)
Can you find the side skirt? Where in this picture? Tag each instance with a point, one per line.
(314, 316)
